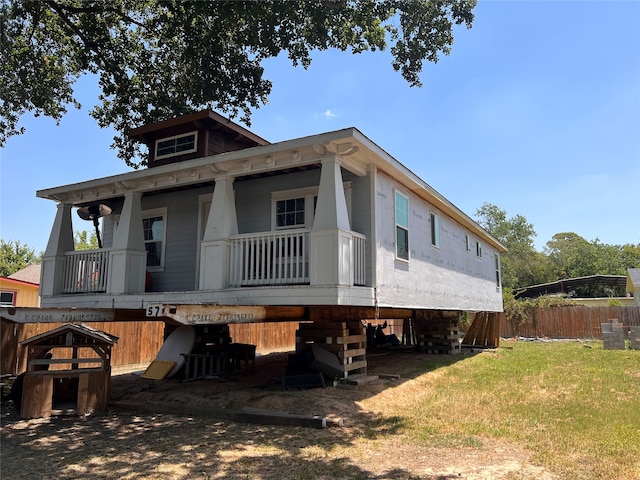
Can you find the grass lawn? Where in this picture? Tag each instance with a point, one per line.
(576, 408)
(527, 410)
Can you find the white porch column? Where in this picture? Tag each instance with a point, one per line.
(221, 224)
(331, 238)
(60, 241)
(128, 258)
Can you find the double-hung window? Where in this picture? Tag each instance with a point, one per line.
(467, 241)
(154, 228)
(478, 250)
(498, 279)
(435, 229)
(402, 226)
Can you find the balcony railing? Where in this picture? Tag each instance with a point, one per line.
(273, 258)
(85, 271)
(268, 258)
(359, 259)
(282, 258)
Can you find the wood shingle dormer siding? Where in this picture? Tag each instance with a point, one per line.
(193, 136)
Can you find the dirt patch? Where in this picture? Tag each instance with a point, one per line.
(152, 444)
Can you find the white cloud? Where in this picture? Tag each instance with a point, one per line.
(329, 113)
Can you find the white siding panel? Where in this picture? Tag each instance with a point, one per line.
(443, 278)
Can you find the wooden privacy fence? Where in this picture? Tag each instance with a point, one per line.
(570, 321)
(139, 342)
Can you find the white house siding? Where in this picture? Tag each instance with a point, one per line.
(448, 277)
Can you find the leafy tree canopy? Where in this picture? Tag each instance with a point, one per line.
(566, 255)
(158, 59)
(85, 241)
(15, 256)
(521, 265)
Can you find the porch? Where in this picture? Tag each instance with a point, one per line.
(257, 259)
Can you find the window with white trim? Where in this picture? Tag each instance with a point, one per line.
(291, 213)
(467, 243)
(154, 226)
(402, 226)
(498, 279)
(478, 250)
(7, 298)
(296, 208)
(435, 229)
(293, 208)
(176, 145)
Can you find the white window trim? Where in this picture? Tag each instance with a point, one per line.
(467, 240)
(183, 152)
(395, 231)
(203, 200)
(478, 250)
(14, 294)
(434, 229)
(158, 212)
(308, 193)
(498, 272)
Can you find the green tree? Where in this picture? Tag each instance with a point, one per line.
(15, 256)
(630, 254)
(85, 241)
(571, 255)
(521, 265)
(158, 59)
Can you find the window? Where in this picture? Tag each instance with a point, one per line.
(402, 227)
(290, 213)
(498, 283)
(154, 225)
(293, 208)
(154, 228)
(467, 243)
(178, 145)
(7, 299)
(435, 230)
(478, 250)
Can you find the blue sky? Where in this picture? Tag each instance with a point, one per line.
(536, 110)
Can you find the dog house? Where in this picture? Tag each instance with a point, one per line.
(68, 372)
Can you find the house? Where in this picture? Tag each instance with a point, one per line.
(224, 227)
(20, 289)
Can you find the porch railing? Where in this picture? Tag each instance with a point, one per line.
(85, 271)
(271, 258)
(359, 259)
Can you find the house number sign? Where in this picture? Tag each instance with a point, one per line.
(154, 311)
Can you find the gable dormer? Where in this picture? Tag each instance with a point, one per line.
(193, 136)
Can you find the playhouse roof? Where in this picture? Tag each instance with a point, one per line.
(78, 328)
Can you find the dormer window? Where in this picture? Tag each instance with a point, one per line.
(176, 145)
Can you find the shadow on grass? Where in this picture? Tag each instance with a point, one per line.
(158, 445)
